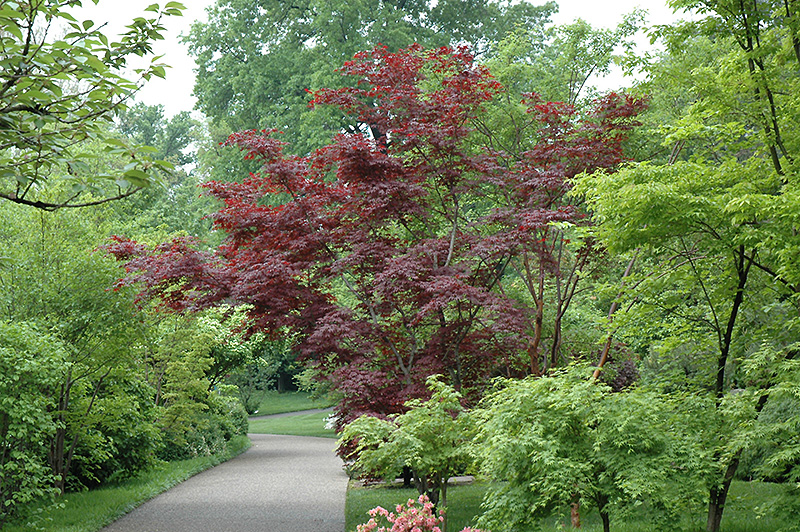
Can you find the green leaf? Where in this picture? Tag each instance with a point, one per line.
(138, 178)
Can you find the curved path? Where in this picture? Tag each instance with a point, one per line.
(280, 484)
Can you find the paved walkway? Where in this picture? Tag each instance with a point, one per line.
(281, 484)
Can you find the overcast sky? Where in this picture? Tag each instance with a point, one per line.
(175, 93)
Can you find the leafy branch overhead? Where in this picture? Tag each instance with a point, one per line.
(61, 82)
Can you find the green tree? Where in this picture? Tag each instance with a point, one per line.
(177, 205)
(719, 230)
(57, 93)
(431, 438)
(171, 137)
(257, 59)
(561, 63)
(563, 438)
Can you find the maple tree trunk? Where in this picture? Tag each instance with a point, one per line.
(533, 346)
(719, 494)
(555, 349)
(442, 479)
(602, 507)
(407, 476)
(538, 324)
(575, 514)
(606, 521)
(795, 38)
(611, 311)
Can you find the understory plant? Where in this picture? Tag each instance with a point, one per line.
(564, 440)
(431, 439)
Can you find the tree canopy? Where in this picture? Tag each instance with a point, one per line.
(257, 59)
(387, 250)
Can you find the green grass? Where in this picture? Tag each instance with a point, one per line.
(273, 402)
(89, 511)
(741, 513)
(299, 425)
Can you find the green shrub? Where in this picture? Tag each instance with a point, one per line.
(30, 368)
(553, 441)
(123, 439)
(431, 439)
(209, 429)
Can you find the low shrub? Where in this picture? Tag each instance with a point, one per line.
(414, 516)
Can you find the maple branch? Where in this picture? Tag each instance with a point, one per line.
(374, 316)
(612, 310)
(776, 276)
(699, 278)
(452, 234)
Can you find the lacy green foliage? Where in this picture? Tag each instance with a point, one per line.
(30, 368)
(431, 438)
(771, 448)
(716, 226)
(56, 94)
(561, 438)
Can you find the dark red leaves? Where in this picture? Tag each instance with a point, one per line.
(385, 252)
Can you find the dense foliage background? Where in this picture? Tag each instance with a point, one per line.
(427, 212)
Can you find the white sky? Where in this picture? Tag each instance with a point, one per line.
(175, 93)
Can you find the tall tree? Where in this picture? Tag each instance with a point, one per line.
(721, 228)
(258, 58)
(383, 249)
(175, 205)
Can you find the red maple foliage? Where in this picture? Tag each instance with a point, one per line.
(385, 251)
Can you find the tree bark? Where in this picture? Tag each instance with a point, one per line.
(575, 511)
(611, 312)
(719, 494)
(602, 507)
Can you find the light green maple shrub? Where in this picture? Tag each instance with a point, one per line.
(561, 439)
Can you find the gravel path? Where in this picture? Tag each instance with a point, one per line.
(281, 484)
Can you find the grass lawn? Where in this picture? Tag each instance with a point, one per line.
(273, 402)
(89, 511)
(298, 425)
(464, 504)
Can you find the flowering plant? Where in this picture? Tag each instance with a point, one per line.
(414, 516)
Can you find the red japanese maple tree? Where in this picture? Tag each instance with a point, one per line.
(384, 251)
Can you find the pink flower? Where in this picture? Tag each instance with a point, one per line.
(409, 518)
